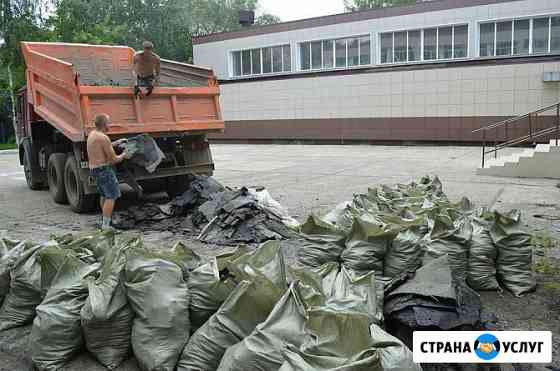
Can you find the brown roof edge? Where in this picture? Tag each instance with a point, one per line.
(422, 7)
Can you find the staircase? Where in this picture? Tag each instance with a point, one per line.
(542, 161)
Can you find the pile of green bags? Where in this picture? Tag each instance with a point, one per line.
(395, 230)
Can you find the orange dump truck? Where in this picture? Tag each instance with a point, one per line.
(69, 84)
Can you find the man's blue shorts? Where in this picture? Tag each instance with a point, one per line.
(107, 182)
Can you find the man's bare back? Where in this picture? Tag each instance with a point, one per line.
(100, 150)
(146, 64)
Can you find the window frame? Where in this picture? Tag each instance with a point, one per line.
(422, 44)
(334, 41)
(231, 55)
(531, 19)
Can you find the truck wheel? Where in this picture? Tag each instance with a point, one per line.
(55, 177)
(177, 185)
(80, 202)
(32, 176)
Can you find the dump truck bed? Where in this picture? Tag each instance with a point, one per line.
(69, 84)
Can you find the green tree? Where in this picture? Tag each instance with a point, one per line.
(266, 18)
(356, 5)
(211, 16)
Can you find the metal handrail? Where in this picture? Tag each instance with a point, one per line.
(516, 118)
(531, 136)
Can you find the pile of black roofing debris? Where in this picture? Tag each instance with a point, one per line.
(216, 213)
(391, 261)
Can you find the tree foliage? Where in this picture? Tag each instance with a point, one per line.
(266, 18)
(356, 5)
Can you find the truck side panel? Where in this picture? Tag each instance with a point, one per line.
(167, 110)
(54, 94)
(96, 65)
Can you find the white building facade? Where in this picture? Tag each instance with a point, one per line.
(433, 71)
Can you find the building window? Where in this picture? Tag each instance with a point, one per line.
(487, 39)
(267, 60)
(399, 45)
(353, 46)
(387, 48)
(261, 61)
(287, 58)
(246, 62)
(460, 41)
(236, 56)
(503, 38)
(256, 61)
(414, 45)
(555, 34)
(445, 43)
(277, 59)
(521, 30)
(430, 44)
(340, 53)
(316, 55)
(365, 50)
(328, 53)
(540, 35)
(424, 45)
(305, 55)
(514, 37)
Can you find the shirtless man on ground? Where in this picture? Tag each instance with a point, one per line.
(146, 69)
(102, 157)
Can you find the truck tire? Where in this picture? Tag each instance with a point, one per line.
(30, 167)
(55, 177)
(177, 185)
(80, 202)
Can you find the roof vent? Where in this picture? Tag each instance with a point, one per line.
(246, 18)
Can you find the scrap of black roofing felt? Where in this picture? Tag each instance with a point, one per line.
(144, 151)
(202, 189)
(434, 299)
(235, 216)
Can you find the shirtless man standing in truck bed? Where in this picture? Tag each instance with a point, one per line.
(146, 69)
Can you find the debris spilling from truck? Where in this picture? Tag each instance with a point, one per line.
(388, 262)
(219, 214)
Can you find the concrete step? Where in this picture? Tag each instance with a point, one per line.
(542, 147)
(500, 161)
(541, 162)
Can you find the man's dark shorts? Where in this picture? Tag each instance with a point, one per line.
(107, 182)
(144, 82)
